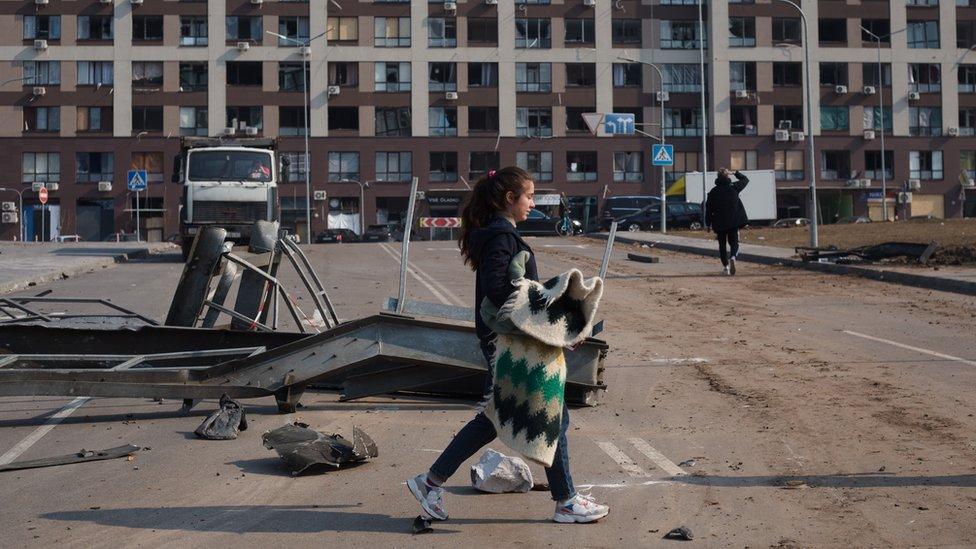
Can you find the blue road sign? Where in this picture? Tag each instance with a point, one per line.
(662, 155)
(619, 123)
(136, 180)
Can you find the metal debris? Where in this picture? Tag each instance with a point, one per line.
(303, 448)
(81, 456)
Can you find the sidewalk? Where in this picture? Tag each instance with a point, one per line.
(25, 264)
(955, 279)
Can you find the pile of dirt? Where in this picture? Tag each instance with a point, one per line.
(954, 255)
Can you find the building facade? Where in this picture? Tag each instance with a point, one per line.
(445, 91)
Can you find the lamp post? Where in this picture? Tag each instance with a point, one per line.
(704, 113)
(20, 212)
(363, 185)
(664, 198)
(308, 107)
(811, 163)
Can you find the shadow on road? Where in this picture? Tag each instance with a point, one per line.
(840, 480)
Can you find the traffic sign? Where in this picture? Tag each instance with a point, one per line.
(619, 123)
(662, 155)
(136, 180)
(593, 120)
(440, 222)
(42, 195)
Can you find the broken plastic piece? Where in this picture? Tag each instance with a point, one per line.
(681, 533)
(225, 423)
(78, 457)
(421, 525)
(302, 448)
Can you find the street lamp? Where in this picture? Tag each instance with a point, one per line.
(704, 113)
(363, 185)
(308, 107)
(9, 80)
(664, 198)
(884, 176)
(20, 212)
(811, 163)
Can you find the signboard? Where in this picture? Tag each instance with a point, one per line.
(546, 199)
(440, 222)
(619, 123)
(42, 195)
(136, 180)
(662, 155)
(441, 200)
(593, 120)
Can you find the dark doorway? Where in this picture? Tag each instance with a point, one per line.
(95, 219)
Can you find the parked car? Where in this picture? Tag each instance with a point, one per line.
(337, 235)
(854, 219)
(540, 224)
(378, 233)
(616, 207)
(791, 222)
(681, 215)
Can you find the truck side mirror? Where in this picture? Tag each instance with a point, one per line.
(176, 169)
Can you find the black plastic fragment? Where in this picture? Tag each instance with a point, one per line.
(225, 423)
(303, 448)
(682, 533)
(421, 525)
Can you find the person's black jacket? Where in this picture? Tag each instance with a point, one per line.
(725, 209)
(495, 245)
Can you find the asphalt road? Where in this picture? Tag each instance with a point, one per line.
(818, 410)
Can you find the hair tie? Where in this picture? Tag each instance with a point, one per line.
(491, 173)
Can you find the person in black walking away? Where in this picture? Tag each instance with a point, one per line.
(726, 215)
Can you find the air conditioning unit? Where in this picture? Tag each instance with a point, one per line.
(853, 183)
(952, 131)
(451, 96)
(8, 217)
(797, 136)
(251, 130)
(869, 90)
(136, 2)
(319, 195)
(229, 131)
(491, 2)
(742, 94)
(914, 96)
(37, 186)
(450, 6)
(589, 3)
(39, 90)
(305, 51)
(967, 182)
(41, 2)
(243, 46)
(257, 2)
(8, 207)
(52, 186)
(40, 44)
(868, 135)
(334, 90)
(840, 89)
(904, 198)
(105, 1)
(104, 186)
(865, 182)
(914, 185)
(663, 96)
(781, 135)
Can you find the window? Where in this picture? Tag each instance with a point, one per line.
(245, 117)
(788, 117)
(574, 118)
(872, 164)
(533, 2)
(532, 33)
(533, 121)
(925, 165)
(290, 76)
(483, 119)
(538, 164)
(873, 116)
(193, 121)
(684, 122)
(967, 78)
(626, 75)
(343, 118)
(94, 167)
(680, 35)
(626, 31)
(344, 74)
(47, 27)
(443, 76)
(682, 78)
(835, 164)
(95, 27)
(42, 119)
(342, 29)
(742, 75)
(743, 160)
(94, 73)
(441, 32)
(482, 30)
(294, 28)
(392, 76)
(967, 163)
(48, 73)
(742, 32)
(443, 166)
(580, 166)
(297, 166)
(869, 74)
(244, 73)
(147, 75)
(965, 33)
(924, 77)
(832, 31)
(193, 30)
(291, 120)
(533, 77)
(835, 119)
(94, 119)
(152, 162)
(343, 166)
(193, 77)
(878, 27)
(442, 121)
(925, 121)
(480, 162)
(245, 28)
(579, 30)
(393, 166)
(833, 74)
(40, 167)
(923, 34)
(393, 121)
(743, 120)
(580, 75)
(788, 165)
(147, 28)
(147, 119)
(628, 166)
(786, 29)
(787, 74)
(483, 75)
(391, 32)
(922, 3)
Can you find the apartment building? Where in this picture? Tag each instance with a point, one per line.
(445, 91)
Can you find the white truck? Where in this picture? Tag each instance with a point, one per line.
(227, 183)
(759, 196)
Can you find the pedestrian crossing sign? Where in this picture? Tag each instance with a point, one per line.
(662, 155)
(137, 180)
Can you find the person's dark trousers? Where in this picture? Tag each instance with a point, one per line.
(480, 431)
(728, 239)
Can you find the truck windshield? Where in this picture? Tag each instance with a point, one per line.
(230, 166)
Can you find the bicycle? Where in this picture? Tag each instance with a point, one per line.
(564, 227)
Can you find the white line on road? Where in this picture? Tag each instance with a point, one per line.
(657, 457)
(38, 433)
(426, 284)
(622, 484)
(912, 348)
(418, 273)
(628, 465)
(579, 246)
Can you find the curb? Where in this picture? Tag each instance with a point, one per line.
(83, 268)
(895, 277)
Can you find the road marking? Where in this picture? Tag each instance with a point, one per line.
(38, 433)
(690, 360)
(579, 246)
(417, 272)
(426, 284)
(628, 465)
(621, 484)
(912, 348)
(657, 457)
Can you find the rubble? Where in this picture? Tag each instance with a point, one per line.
(224, 424)
(497, 473)
(302, 448)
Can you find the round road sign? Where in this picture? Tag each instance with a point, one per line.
(42, 195)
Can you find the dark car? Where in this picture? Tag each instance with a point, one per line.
(616, 207)
(791, 222)
(540, 224)
(681, 215)
(337, 235)
(854, 219)
(379, 233)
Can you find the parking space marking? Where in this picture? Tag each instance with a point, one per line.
(431, 281)
(912, 348)
(38, 433)
(657, 457)
(623, 460)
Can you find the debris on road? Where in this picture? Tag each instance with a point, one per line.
(497, 473)
(887, 250)
(642, 258)
(688, 463)
(680, 533)
(81, 456)
(421, 525)
(224, 424)
(303, 448)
